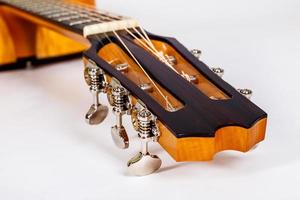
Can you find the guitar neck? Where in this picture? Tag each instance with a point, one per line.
(77, 18)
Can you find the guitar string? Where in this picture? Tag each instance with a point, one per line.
(158, 54)
(152, 50)
(143, 35)
(168, 103)
(83, 13)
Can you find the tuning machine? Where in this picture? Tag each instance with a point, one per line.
(96, 79)
(218, 71)
(196, 52)
(246, 92)
(120, 99)
(144, 122)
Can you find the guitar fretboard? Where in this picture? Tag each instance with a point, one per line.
(78, 17)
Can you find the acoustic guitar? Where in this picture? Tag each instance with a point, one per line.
(173, 98)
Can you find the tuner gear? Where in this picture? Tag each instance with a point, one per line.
(120, 100)
(94, 77)
(145, 163)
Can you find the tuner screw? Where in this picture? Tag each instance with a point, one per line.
(218, 71)
(120, 99)
(94, 77)
(145, 163)
(246, 92)
(196, 52)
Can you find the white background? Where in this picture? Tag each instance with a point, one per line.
(47, 152)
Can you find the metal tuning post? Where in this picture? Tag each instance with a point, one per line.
(95, 78)
(145, 163)
(197, 53)
(246, 92)
(120, 100)
(218, 71)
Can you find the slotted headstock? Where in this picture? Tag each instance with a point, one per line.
(199, 114)
(172, 97)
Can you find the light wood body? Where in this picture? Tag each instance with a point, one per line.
(22, 36)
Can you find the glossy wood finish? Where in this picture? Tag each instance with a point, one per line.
(182, 65)
(114, 55)
(188, 148)
(205, 115)
(196, 132)
(28, 36)
(52, 44)
(7, 50)
(205, 148)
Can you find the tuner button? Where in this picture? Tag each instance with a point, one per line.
(196, 52)
(246, 92)
(96, 114)
(120, 137)
(143, 164)
(218, 71)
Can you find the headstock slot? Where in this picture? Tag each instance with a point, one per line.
(183, 67)
(114, 55)
(200, 116)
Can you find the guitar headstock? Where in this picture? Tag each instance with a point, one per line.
(173, 98)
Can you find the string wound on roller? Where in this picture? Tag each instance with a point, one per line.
(95, 78)
(120, 101)
(145, 163)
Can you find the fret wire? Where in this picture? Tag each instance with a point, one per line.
(80, 22)
(87, 10)
(61, 14)
(94, 11)
(65, 12)
(68, 18)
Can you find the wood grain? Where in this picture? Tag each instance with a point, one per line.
(114, 55)
(189, 148)
(25, 36)
(22, 32)
(7, 50)
(205, 148)
(52, 44)
(182, 65)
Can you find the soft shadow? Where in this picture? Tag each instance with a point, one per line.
(71, 97)
(171, 167)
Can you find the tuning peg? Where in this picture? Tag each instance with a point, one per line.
(246, 92)
(94, 78)
(96, 114)
(218, 71)
(119, 98)
(196, 52)
(145, 163)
